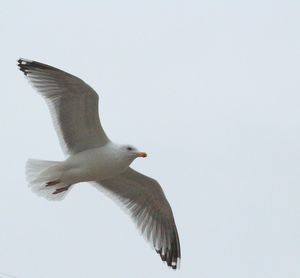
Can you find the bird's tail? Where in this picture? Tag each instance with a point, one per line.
(43, 178)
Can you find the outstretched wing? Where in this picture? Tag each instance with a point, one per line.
(73, 106)
(149, 208)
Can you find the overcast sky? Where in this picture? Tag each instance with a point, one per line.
(209, 89)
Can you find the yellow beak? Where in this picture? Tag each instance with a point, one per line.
(142, 154)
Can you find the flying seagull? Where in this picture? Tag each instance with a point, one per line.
(92, 157)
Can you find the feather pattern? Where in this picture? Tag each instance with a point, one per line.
(146, 203)
(73, 106)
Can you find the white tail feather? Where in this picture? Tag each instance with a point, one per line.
(39, 173)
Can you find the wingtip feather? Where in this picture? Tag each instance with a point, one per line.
(24, 64)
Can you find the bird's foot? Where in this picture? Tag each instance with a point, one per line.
(51, 183)
(59, 190)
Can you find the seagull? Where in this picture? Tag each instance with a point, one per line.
(93, 157)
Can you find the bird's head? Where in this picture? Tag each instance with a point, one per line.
(132, 152)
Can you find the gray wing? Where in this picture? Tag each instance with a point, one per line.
(73, 106)
(149, 208)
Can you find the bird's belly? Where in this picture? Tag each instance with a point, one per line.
(99, 170)
(92, 167)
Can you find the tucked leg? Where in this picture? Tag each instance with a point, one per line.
(62, 189)
(51, 183)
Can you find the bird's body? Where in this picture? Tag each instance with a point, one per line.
(92, 157)
(93, 165)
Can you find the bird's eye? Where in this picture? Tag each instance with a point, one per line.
(129, 149)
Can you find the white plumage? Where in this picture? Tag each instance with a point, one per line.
(92, 157)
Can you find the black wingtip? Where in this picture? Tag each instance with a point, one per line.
(172, 259)
(172, 255)
(23, 65)
(26, 66)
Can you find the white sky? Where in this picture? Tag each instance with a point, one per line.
(210, 89)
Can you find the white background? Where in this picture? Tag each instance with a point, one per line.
(209, 89)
